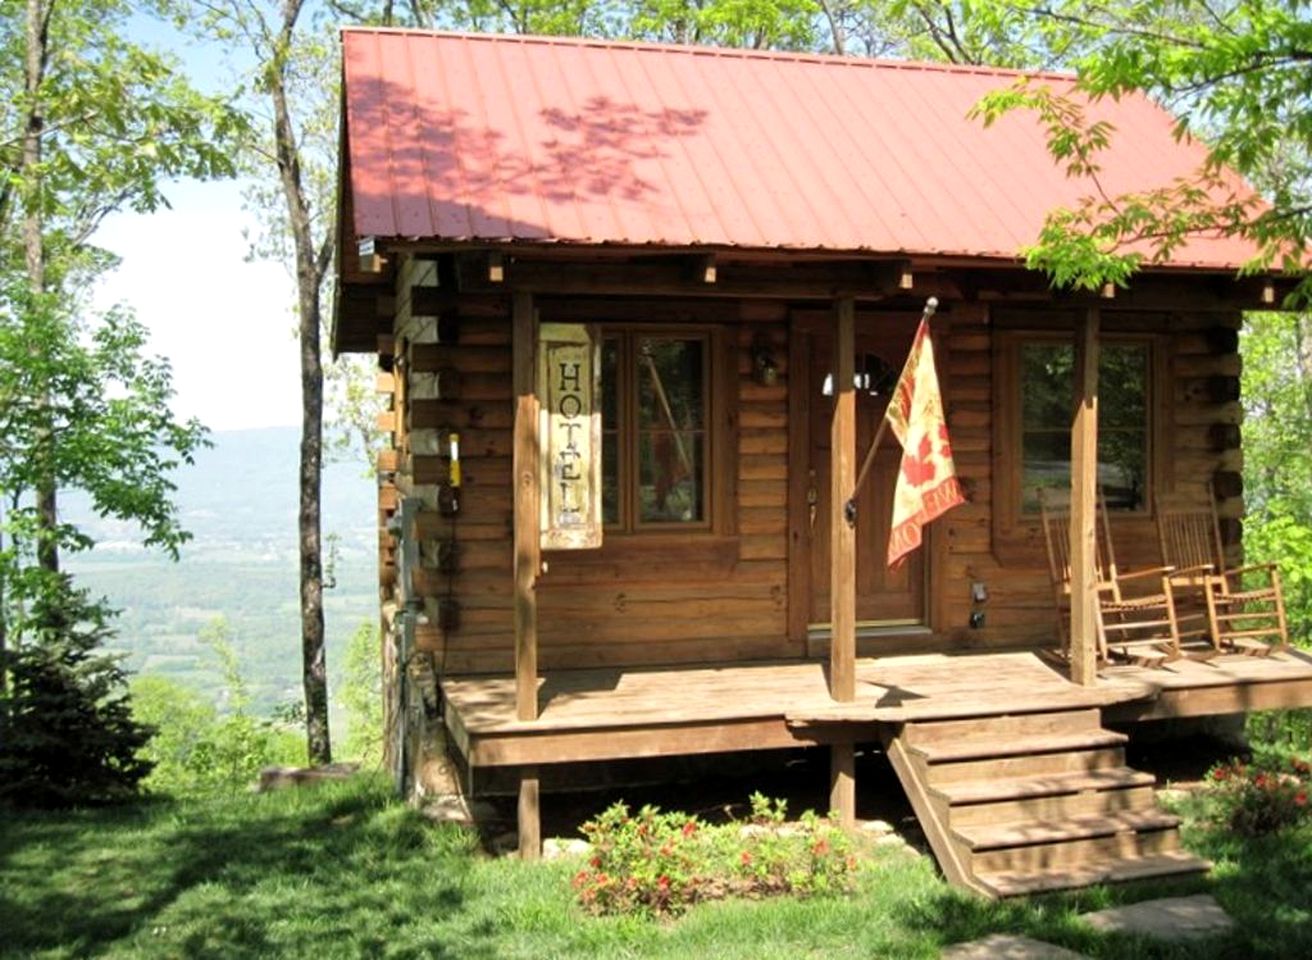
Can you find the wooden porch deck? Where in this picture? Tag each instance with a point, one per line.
(605, 714)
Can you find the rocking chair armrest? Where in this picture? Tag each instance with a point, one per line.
(1253, 568)
(1194, 571)
(1150, 572)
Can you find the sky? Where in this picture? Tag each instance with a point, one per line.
(226, 324)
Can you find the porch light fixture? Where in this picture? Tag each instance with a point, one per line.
(765, 371)
(873, 376)
(1268, 293)
(906, 280)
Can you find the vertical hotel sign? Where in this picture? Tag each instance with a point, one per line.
(568, 384)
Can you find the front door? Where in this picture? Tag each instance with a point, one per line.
(884, 597)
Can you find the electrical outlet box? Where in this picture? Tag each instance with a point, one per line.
(979, 592)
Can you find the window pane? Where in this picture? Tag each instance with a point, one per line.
(1121, 468)
(670, 465)
(1046, 465)
(610, 478)
(1047, 394)
(1122, 377)
(670, 384)
(1046, 377)
(610, 396)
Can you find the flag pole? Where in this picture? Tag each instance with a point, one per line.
(849, 509)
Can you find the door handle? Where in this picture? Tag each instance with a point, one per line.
(812, 499)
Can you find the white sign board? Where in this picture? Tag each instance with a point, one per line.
(569, 390)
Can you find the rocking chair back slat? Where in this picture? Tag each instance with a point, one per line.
(1190, 538)
(1122, 621)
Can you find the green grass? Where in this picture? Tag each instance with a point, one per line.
(342, 871)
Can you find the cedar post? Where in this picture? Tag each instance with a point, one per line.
(527, 556)
(1084, 500)
(842, 553)
(530, 816)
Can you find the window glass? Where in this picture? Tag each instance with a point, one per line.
(1047, 397)
(654, 440)
(670, 434)
(610, 430)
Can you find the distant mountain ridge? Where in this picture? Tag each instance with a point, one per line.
(239, 500)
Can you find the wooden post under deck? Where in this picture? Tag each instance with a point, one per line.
(1084, 502)
(842, 553)
(527, 556)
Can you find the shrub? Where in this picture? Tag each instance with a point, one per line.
(67, 734)
(199, 750)
(660, 863)
(1260, 797)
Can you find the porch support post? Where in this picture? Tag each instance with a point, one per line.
(527, 557)
(842, 554)
(1084, 504)
(842, 535)
(530, 815)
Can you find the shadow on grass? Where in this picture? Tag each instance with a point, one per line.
(1265, 885)
(338, 869)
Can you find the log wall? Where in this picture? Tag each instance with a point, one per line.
(723, 595)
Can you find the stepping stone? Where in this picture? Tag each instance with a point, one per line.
(1173, 918)
(1001, 946)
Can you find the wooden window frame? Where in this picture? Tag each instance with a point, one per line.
(1013, 529)
(716, 429)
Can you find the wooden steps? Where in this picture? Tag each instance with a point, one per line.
(1033, 802)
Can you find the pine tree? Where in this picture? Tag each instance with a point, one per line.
(67, 736)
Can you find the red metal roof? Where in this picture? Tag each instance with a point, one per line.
(480, 138)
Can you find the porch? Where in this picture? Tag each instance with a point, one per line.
(619, 713)
(1016, 784)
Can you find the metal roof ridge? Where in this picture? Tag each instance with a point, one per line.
(736, 53)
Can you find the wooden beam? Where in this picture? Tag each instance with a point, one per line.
(530, 814)
(527, 556)
(1084, 500)
(868, 281)
(842, 481)
(842, 783)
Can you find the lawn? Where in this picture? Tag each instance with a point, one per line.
(343, 871)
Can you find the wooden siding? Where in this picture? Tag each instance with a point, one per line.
(640, 598)
(723, 595)
(1196, 368)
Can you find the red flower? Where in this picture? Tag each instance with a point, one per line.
(690, 828)
(746, 858)
(595, 861)
(820, 847)
(1300, 798)
(663, 882)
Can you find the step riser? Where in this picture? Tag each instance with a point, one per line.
(1047, 856)
(1091, 803)
(964, 750)
(1033, 765)
(1001, 728)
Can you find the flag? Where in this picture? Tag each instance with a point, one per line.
(927, 484)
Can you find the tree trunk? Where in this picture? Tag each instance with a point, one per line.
(34, 256)
(309, 276)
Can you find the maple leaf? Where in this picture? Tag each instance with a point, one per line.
(918, 468)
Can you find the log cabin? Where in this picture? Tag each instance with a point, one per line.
(638, 311)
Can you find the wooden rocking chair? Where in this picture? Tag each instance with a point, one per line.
(1245, 607)
(1142, 628)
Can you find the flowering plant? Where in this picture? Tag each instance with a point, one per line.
(659, 863)
(1263, 796)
